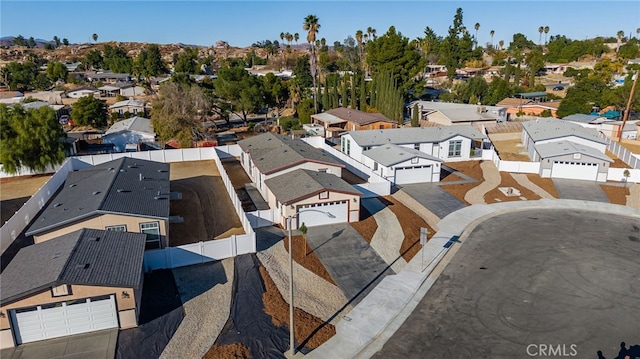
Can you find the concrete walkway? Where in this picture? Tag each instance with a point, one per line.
(633, 199)
(388, 237)
(373, 321)
(491, 180)
(524, 181)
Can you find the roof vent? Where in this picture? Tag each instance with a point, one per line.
(82, 266)
(95, 192)
(163, 171)
(110, 169)
(132, 166)
(159, 198)
(72, 185)
(122, 190)
(121, 170)
(80, 209)
(57, 205)
(55, 256)
(95, 239)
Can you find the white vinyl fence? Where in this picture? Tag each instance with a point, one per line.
(617, 174)
(622, 153)
(170, 257)
(263, 218)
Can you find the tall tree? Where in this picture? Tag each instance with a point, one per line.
(296, 37)
(540, 30)
(619, 37)
(65, 42)
(312, 26)
(57, 71)
(241, 90)
(457, 46)
(476, 27)
(535, 62)
(546, 31)
(95, 37)
(29, 139)
(56, 40)
(90, 111)
(491, 33)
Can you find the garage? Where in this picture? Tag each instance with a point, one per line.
(574, 170)
(418, 174)
(61, 319)
(339, 210)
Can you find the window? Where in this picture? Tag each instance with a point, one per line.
(414, 160)
(416, 146)
(455, 148)
(117, 228)
(375, 166)
(347, 150)
(152, 230)
(61, 290)
(324, 195)
(576, 156)
(322, 170)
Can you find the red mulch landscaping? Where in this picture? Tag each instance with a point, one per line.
(230, 351)
(367, 226)
(411, 224)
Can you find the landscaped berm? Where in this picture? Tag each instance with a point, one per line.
(205, 205)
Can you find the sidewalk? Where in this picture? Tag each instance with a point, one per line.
(362, 332)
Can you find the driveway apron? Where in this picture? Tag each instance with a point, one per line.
(582, 190)
(434, 198)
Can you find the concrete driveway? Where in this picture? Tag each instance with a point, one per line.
(560, 277)
(583, 190)
(350, 260)
(98, 345)
(434, 198)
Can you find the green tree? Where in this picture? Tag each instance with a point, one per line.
(93, 60)
(243, 91)
(415, 116)
(457, 46)
(21, 75)
(312, 26)
(94, 37)
(302, 71)
(630, 50)
(90, 111)
(149, 62)
(187, 61)
(178, 111)
(29, 139)
(275, 91)
(116, 59)
(520, 42)
(57, 71)
(20, 41)
(32, 42)
(65, 42)
(56, 40)
(499, 89)
(42, 82)
(535, 62)
(305, 110)
(473, 91)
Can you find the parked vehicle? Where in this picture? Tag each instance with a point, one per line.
(558, 88)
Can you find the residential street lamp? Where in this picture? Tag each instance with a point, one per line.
(292, 346)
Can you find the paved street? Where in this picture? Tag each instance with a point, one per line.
(556, 277)
(584, 190)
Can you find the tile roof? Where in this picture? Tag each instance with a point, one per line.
(113, 260)
(409, 135)
(390, 154)
(139, 124)
(271, 152)
(551, 128)
(127, 186)
(561, 148)
(296, 185)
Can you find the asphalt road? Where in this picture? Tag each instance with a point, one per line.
(561, 278)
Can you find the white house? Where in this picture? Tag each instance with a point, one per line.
(546, 130)
(134, 107)
(131, 131)
(269, 155)
(447, 143)
(83, 91)
(402, 165)
(447, 114)
(608, 127)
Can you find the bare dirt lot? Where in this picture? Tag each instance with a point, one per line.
(205, 205)
(495, 195)
(510, 151)
(16, 191)
(239, 178)
(631, 145)
(544, 183)
(617, 162)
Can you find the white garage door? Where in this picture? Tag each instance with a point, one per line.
(574, 170)
(62, 319)
(406, 175)
(338, 209)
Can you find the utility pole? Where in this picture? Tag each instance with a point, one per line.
(628, 108)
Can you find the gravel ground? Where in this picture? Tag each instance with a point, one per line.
(312, 294)
(388, 237)
(633, 199)
(524, 181)
(205, 290)
(491, 180)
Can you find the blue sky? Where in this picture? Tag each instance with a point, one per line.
(242, 23)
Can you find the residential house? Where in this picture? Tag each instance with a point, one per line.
(134, 107)
(108, 77)
(126, 89)
(611, 128)
(9, 97)
(447, 114)
(269, 155)
(83, 91)
(312, 191)
(127, 134)
(523, 106)
(402, 165)
(126, 194)
(447, 143)
(52, 97)
(339, 120)
(82, 281)
(566, 150)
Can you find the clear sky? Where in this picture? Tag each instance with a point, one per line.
(242, 23)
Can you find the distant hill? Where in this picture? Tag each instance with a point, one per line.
(8, 41)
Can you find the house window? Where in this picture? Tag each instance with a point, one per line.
(322, 170)
(414, 160)
(61, 290)
(135, 111)
(416, 146)
(152, 230)
(118, 228)
(455, 148)
(121, 112)
(576, 156)
(348, 149)
(375, 166)
(324, 195)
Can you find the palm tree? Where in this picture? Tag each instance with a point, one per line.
(491, 33)
(501, 43)
(296, 37)
(359, 43)
(540, 30)
(373, 33)
(312, 27)
(369, 31)
(638, 32)
(477, 27)
(282, 36)
(94, 37)
(620, 35)
(546, 31)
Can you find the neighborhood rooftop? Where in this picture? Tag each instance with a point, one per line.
(270, 152)
(84, 257)
(550, 128)
(126, 185)
(561, 148)
(139, 124)
(341, 114)
(299, 184)
(390, 154)
(401, 136)
(459, 112)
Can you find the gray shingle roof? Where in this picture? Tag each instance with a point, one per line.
(561, 148)
(390, 154)
(550, 128)
(341, 114)
(126, 186)
(139, 124)
(271, 152)
(459, 112)
(293, 186)
(132, 103)
(400, 136)
(114, 260)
